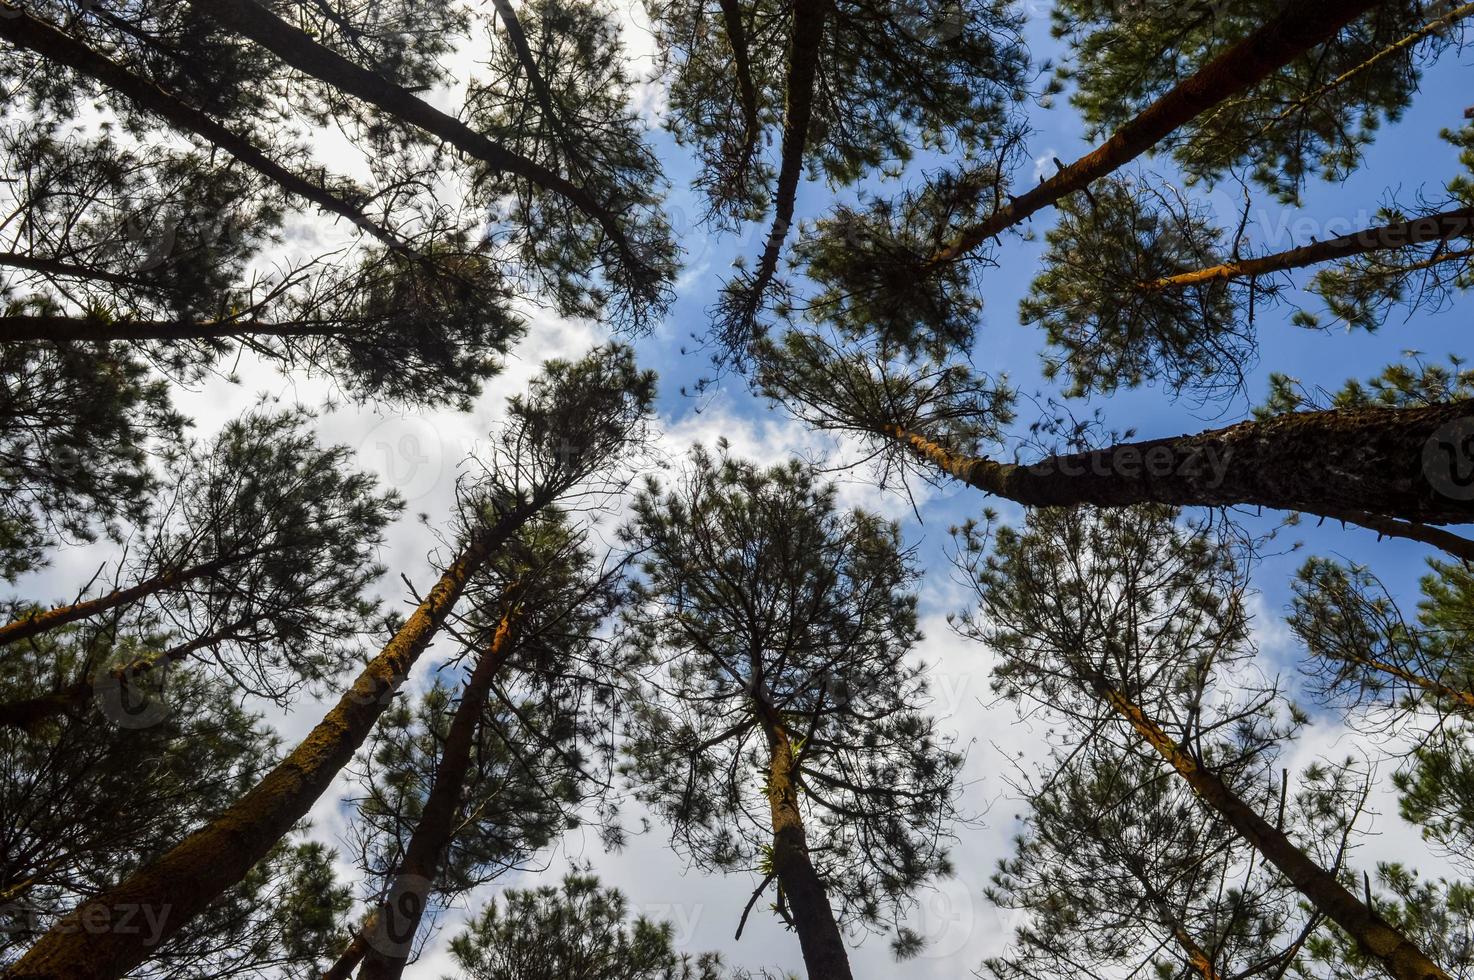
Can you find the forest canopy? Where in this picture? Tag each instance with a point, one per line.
(716, 489)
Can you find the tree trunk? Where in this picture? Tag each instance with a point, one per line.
(1462, 701)
(803, 69)
(174, 888)
(352, 955)
(1435, 26)
(299, 50)
(30, 712)
(34, 625)
(1303, 25)
(398, 917)
(518, 39)
(69, 270)
(28, 329)
(819, 937)
(1458, 223)
(746, 91)
(1197, 957)
(25, 31)
(1376, 937)
(1412, 464)
(1390, 527)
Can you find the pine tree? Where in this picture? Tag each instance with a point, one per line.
(88, 801)
(62, 406)
(477, 788)
(894, 264)
(1413, 676)
(1134, 630)
(1120, 871)
(1440, 913)
(565, 438)
(1395, 468)
(169, 213)
(843, 88)
(144, 235)
(1139, 286)
(777, 628)
(578, 931)
(1313, 115)
(160, 250)
(257, 560)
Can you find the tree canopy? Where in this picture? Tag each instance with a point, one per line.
(368, 610)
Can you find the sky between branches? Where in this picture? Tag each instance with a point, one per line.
(418, 453)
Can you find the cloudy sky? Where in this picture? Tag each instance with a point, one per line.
(419, 455)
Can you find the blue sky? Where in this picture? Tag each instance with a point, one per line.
(419, 453)
(1409, 155)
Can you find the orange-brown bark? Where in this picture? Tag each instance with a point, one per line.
(1457, 223)
(1376, 937)
(398, 917)
(1302, 26)
(807, 901)
(35, 624)
(184, 880)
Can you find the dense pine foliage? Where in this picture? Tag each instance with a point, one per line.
(262, 716)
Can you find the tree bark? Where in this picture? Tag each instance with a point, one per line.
(33, 625)
(746, 90)
(1462, 700)
(1377, 938)
(92, 943)
(1458, 223)
(1197, 957)
(398, 917)
(352, 955)
(1303, 25)
(1402, 44)
(69, 270)
(69, 329)
(25, 31)
(1411, 464)
(540, 91)
(300, 51)
(803, 69)
(1460, 548)
(27, 713)
(819, 937)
